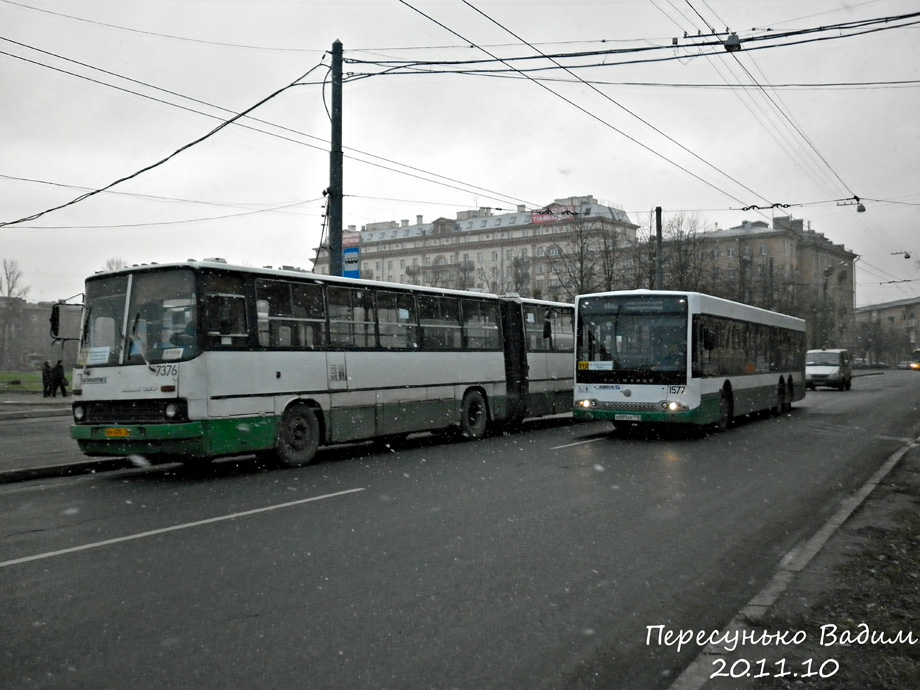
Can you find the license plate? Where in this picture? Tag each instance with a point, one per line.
(117, 433)
(627, 418)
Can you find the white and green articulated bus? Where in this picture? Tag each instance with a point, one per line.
(646, 356)
(201, 359)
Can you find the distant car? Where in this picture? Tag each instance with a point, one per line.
(828, 367)
(904, 364)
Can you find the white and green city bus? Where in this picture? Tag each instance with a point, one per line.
(201, 359)
(684, 357)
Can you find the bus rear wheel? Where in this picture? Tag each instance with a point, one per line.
(474, 416)
(298, 436)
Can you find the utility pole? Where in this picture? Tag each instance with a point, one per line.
(335, 166)
(659, 278)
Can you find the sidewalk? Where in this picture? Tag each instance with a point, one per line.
(33, 406)
(848, 593)
(27, 405)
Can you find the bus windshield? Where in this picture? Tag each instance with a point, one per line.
(632, 339)
(150, 318)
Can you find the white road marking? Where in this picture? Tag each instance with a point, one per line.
(578, 443)
(174, 528)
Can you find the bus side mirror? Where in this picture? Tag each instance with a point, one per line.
(547, 329)
(65, 321)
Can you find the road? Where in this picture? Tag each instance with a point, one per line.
(531, 560)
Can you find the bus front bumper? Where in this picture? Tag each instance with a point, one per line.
(186, 439)
(200, 439)
(706, 413)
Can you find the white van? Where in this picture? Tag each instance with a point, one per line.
(828, 367)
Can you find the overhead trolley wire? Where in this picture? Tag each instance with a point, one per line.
(626, 110)
(418, 173)
(583, 110)
(160, 162)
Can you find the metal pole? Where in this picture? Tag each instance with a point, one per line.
(659, 278)
(335, 166)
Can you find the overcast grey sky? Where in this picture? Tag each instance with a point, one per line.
(97, 90)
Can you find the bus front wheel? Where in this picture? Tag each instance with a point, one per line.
(298, 437)
(474, 416)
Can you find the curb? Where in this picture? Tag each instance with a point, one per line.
(68, 470)
(698, 673)
(28, 414)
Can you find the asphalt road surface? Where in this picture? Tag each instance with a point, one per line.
(537, 559)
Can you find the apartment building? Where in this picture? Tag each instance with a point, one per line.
(887, 332)
(788, 267)
(521, 251)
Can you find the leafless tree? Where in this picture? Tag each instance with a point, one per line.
(495, 280)
(114, 263)
(582, 263)
(11, 280)
(466, 275)
(521, 280)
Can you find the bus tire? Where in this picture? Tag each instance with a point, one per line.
(474, 416)
(725, 411)
(298, 436)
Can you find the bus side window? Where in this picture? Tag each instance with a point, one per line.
(536, 318)
(562, 326)
(440, 322)
(481, 325)
(351, 318)
(226, 319)
(397, 321)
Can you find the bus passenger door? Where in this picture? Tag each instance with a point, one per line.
(516, 365)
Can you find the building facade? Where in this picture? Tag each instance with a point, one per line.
(577, 245)
(887, 332)
(787, 267)
(523, 252)
(25, 340)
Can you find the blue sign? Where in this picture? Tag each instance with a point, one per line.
(351, 262)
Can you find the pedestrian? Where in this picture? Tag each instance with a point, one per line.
(58, 380)
(46, 379)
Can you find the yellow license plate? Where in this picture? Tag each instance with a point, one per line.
(117, 433)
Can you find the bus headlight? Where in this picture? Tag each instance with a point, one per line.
(673, 406)
(172, 409)
(586, 404)
(78, 413)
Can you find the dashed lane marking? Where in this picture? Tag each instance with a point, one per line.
(174, 528)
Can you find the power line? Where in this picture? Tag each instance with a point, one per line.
(583, 110)
(156, 34)
(175, 153)
(454, 183)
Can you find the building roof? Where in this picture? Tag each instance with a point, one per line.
(909, 302)
(485, 219)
